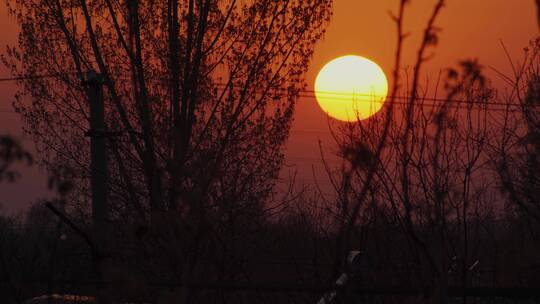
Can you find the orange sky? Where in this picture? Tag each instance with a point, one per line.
(470, 29)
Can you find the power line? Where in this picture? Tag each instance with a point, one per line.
(28, 77)
(346, 97)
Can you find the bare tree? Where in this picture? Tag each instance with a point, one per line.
(431, 185)
(203, 93)
(538, 10)
(430, 179)
(516, 153)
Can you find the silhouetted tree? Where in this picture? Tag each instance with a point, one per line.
(11, 153)
(203, 92)
(538, 11)
(423, 168)
(517, 150)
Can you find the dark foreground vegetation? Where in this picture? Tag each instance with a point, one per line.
(286, 260)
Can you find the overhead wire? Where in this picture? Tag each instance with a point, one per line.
(311, 94)
(346, 97)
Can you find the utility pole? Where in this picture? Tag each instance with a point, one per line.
(98, 165)
(98, 162)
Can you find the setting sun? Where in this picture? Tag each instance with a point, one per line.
(350, 88)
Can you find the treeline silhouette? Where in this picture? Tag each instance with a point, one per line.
(41, 256)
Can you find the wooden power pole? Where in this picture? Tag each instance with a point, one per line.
(98, 168)
(98, 162)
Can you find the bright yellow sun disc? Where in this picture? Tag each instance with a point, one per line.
(350, 88)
